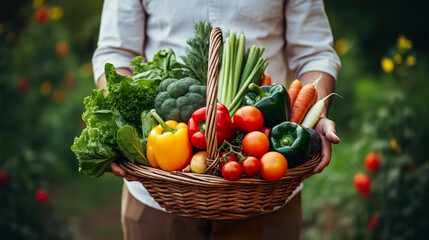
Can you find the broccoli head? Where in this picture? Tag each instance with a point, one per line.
(177, 99)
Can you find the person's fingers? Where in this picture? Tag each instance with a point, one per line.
(326, 127)
(326, 155)
(330, 133)
(118, 171)
(130, 178)
(307, 176)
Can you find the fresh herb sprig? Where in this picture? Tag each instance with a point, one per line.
(197, 52)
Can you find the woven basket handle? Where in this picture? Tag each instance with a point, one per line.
(212, 87)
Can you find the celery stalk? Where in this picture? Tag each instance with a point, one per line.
(226, 72)
(221, 81)
(246, 83)
(238, 63)
(252, 60)
(231, 65)
(253, 75)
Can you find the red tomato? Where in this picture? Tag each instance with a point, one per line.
(251, 166)
(273, 166)
(232, 171)
(372, 162)
(373, 222)
(42, 196)
(248, 118)
(225, 157)
(362, 184)
(255, 144)
(3, 176)
(266, 131)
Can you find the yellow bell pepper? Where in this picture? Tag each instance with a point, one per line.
(168, 145)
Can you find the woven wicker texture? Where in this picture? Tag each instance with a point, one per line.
(208, 195)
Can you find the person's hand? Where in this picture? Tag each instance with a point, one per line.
(326, 129)
(119, 172)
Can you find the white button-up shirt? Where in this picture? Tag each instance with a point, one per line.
(295, 33)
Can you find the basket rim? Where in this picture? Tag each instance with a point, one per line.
(141, 171)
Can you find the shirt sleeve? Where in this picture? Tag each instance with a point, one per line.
(121, 35)
(309, 40)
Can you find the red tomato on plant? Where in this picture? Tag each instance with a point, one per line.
(372, 162)
(41, 15)
(232, 171)
(373, 222)
(255, 144)
(42, 196)
(273, 166)
(3, 176)
(251, 166)
(23, 85)
(225, 157)
(248, 118)
(362, 184)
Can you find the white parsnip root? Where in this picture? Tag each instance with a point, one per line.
(313, 115)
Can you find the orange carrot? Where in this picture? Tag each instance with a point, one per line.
(303, 102)
(293, 91)
(314, 99)
(265, 80)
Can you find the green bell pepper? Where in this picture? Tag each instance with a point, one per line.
(291, 140)
(273, 101)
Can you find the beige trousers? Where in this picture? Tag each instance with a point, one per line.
(142, 222)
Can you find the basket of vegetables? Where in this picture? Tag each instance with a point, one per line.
(227, 150)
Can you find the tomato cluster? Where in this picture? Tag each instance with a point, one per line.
(255, 157)
(362, 181)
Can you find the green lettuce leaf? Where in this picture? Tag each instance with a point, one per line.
(163, 66)
(96, 147)
(94, 157)
(130, 145)
(130, 97)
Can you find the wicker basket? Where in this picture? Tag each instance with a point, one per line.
(210, 196)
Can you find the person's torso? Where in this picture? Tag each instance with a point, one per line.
(171, 22)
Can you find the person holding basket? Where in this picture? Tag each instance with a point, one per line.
(298, 41)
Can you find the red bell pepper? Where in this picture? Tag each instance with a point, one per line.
(197, 126)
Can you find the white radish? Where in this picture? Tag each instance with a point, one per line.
(315, 112)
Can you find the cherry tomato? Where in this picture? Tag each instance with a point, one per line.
(372, 162)
(273, 166)
(266, 131)
(255, 144)
(362, 184)
(248, 118)
(225, 157)
(232, 171)
(251, 166)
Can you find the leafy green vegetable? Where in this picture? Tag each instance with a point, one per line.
(130, 146)
(130, 97)
(120, 107)
(163, 66)
(93, 158)
(179, 98)
(197, 52)
(99, 119)
(96, 147)
(148, 123)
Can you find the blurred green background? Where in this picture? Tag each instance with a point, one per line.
(45, 72)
